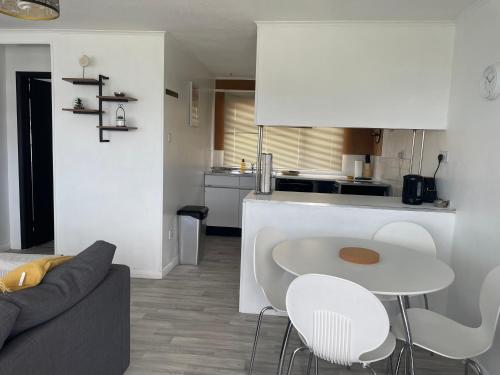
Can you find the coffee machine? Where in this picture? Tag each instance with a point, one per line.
(418, 189)
(413, 189)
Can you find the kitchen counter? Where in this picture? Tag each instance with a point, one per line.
(233, 173)
(313, 176)
(302, 215)
(359, 201)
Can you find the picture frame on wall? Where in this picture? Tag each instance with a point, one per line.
(194, 106)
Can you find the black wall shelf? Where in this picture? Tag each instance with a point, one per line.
(82, 81)
(84, 111)
(116, 98)
(117, 128)
(102, 98)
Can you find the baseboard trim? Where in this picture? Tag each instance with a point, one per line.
(169, 267)
(145, 274)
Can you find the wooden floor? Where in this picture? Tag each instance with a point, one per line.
(188, 324)
(46, 249)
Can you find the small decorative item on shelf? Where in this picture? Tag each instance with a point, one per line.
(84, 61)
(78, 103)
(120, 118)
(120, 94)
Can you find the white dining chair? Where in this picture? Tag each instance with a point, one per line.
(448, 338)
(339, 321)
(273, 281)
(409, 235)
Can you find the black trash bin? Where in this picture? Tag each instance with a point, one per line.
(191, 233)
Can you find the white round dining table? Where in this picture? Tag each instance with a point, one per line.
(400, 272)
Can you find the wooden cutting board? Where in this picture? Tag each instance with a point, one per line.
(359, 255)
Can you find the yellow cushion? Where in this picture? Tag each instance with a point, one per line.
(30, 274)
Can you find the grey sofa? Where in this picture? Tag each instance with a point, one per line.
(88, 331)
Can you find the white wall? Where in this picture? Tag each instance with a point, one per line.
(18, 58)
(109, 191)
(4, 178)
(187, 154)
(473, 139)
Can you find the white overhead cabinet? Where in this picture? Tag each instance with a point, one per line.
(363, 74)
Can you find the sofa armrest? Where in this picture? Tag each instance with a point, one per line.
(93, 337)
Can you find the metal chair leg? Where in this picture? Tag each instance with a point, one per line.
(371, 369)
(470, 363)
(309, 363)
(389, 370)
(316, 365)
(400, 356)
(292, 360)
(256, 339)
(284, 346)
(426, 302)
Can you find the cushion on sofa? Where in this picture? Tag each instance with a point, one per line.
(30, 274)
(62, 288)
(8, 316)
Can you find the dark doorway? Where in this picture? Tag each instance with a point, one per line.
(34, 124)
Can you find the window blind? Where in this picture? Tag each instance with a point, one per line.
(292, 148)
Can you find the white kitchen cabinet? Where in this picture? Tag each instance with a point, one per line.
(247, 182)
(227, 181)
(243, 194)
(354, 74)
(223, 206)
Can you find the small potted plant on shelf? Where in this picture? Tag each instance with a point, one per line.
(78, 103)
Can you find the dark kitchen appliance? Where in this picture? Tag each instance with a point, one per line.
(413, 189)
(430, 190)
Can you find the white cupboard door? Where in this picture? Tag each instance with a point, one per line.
(247, 182)
(223, 207)
(354, 75)
(243, 194)
(227, 181)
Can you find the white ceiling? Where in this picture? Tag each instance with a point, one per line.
(222, 33)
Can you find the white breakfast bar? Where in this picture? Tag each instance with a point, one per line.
(305, 215)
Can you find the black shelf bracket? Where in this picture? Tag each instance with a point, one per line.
(101, 83)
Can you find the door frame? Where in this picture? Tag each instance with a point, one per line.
(24, 154)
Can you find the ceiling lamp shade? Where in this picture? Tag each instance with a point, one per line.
(35, 10)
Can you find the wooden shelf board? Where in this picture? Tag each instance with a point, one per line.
(117, 128)
(83, 81)
(116, 98)
(85, 111)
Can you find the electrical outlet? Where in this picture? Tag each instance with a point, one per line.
(401, 155)
(169, 137)
(445, 156)
(170, 234)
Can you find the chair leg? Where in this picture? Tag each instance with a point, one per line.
(426, 305)
(316, 365)
(390, 370)
(292, 360)
(309, 363)
(426, 302)
(400, 357)
(371, 369)
(284, 346)
(256, 339)
(470, 363)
